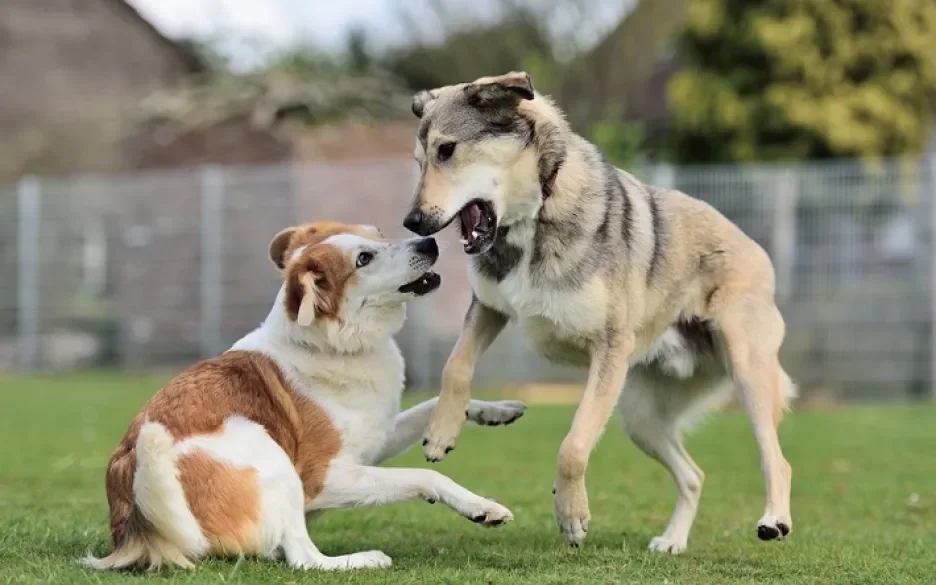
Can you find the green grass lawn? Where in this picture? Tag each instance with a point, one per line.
(864, 501)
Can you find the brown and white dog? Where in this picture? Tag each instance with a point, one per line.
(231, 455)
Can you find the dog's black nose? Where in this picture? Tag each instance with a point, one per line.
(414, 221)
(428, 247)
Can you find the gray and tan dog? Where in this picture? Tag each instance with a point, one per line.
(637, 282)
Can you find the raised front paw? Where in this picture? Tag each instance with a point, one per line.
(502, 412)
(489, 513)
(442, 434)
(571, 501)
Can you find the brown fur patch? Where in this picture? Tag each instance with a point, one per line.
(198, 401)
(225, 500)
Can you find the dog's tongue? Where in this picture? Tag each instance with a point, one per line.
(471, 218)
(474, 212)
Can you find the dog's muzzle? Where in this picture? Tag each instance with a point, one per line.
(415, 222)
(427, 247)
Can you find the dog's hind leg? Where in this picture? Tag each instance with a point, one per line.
(753, 330)
(655, 430)
(349, 485)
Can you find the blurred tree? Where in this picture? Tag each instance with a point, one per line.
(474, 50)
(620, 140)
(357, 51)
(803, 79)
(307, 59)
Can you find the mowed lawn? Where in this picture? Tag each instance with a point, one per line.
(864, 503)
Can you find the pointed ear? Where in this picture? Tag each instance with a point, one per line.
(509, 88)
(279, 245)
(308, 305)
(421, 99)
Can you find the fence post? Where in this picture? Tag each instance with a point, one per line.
(930, 194)
(28, 294)
(212, 259)
(783, 239)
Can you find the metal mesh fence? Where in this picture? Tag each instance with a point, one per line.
(160, 268)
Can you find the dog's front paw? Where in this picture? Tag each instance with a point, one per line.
(442, 434)
(667, 545)
(489, 513)
(571, 500)
(773, 528)
(372, 559)
(502, 412)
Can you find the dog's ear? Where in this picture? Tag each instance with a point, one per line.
(509, 88)
(421, 99)
(316, 284)
(280, 245)
(309, 299)
(306, 294)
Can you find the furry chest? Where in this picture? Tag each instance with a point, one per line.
(568, 315)
(363, 420)
(360, 394)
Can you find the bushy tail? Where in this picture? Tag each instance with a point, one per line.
(160, 528)
(788, 393)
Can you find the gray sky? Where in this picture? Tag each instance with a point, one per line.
(272, 24)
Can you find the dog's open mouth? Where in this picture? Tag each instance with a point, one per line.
(478, 226)
(423, 285)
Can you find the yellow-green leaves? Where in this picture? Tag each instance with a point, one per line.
(788, 79)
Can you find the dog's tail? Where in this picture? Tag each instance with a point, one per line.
(788, 393)
(160, 528)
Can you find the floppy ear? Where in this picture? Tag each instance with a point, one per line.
(420, 99)
(279, 245)
(309, 303)
(304, 296)
(509, 88)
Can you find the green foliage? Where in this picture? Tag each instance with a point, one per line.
(622, 142)
(803, 79)
(307, 60)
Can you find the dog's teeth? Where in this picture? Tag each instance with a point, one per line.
(474, 235)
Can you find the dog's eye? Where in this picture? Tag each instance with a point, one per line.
(364, 258)
(446, 150)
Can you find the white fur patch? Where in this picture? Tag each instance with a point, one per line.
(670, 351)
(245, 444)
(158, 492)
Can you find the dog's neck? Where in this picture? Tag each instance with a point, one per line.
(362, 330)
